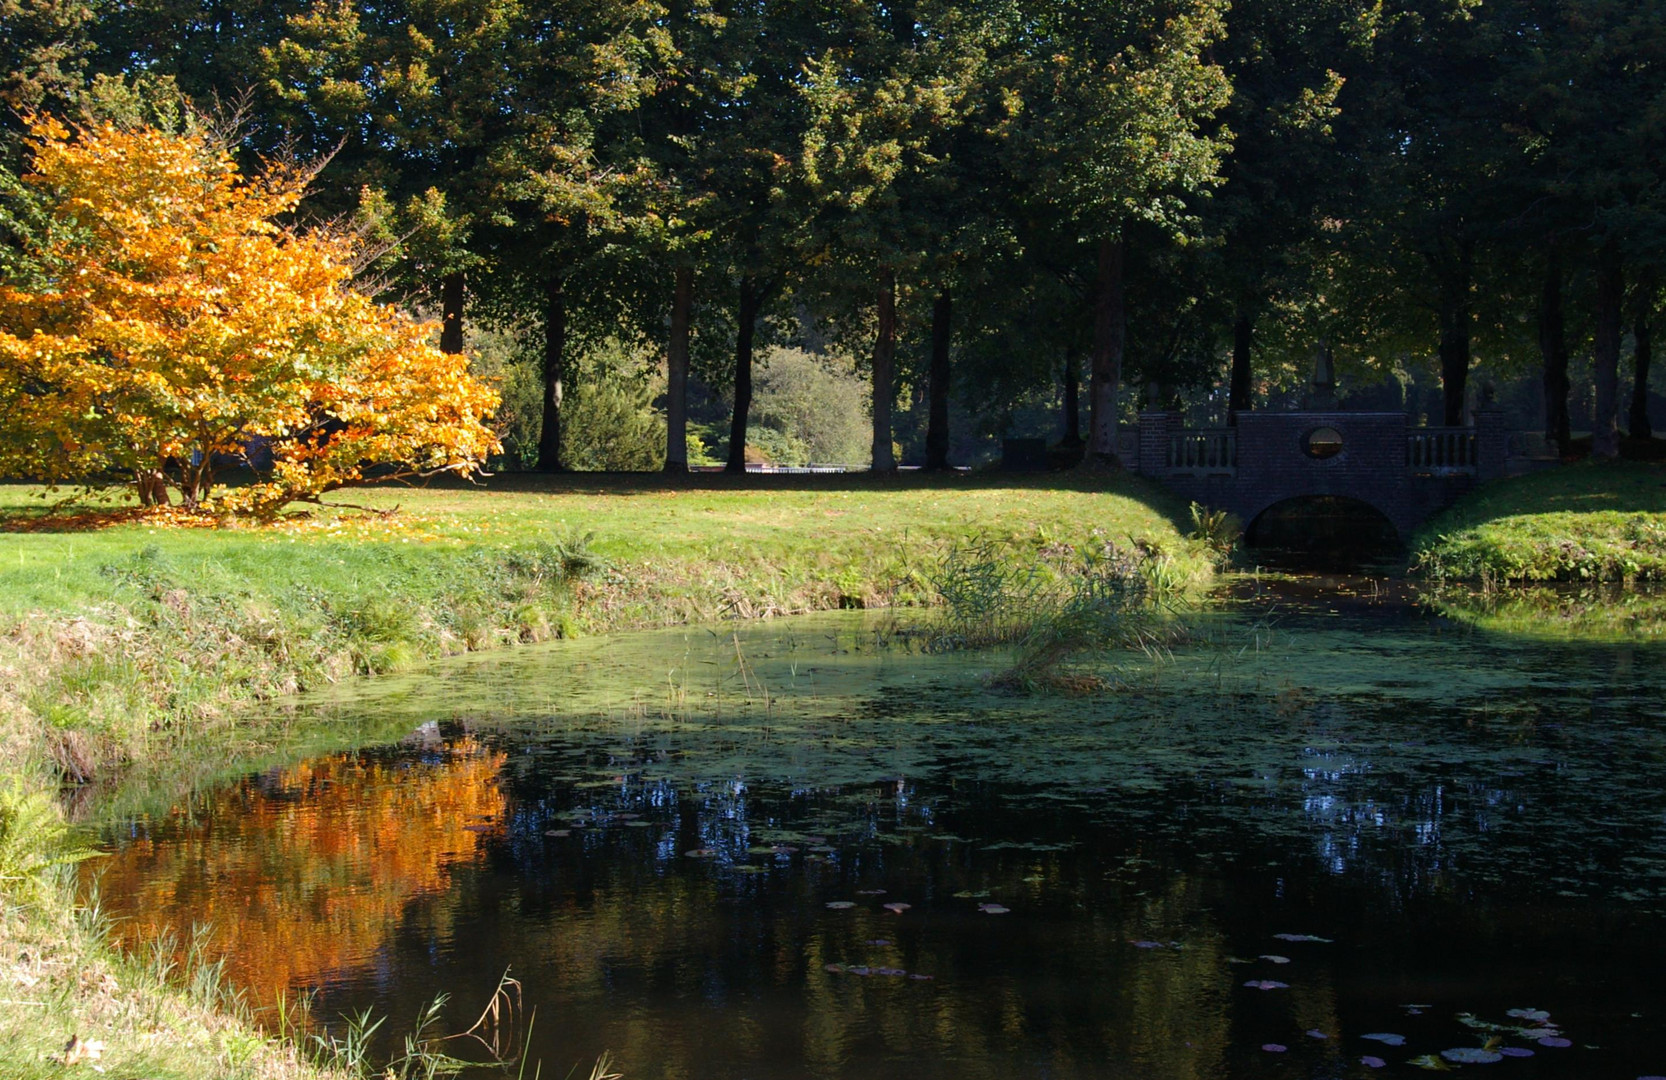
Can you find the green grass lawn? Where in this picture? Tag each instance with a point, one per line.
(127, 637)
(1585, 522)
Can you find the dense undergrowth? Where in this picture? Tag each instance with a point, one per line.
(1588, 522)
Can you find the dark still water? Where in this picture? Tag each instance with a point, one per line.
(1320, 839)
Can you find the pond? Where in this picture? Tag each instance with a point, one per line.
(1332, 833)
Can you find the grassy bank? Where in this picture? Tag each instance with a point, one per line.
(128, 643)
(125, 641)
(1585, 522)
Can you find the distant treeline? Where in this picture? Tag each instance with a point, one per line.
(995, 203)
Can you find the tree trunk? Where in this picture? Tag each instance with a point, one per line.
(937, 426)
(451, 313)
(1553, 348)
(555, 348)
(1239, 395)
(1454, 336)
(1605, 426)
(751, 302)
(884, 374)
(1072, 402)
(1110, 330)
(1638, 422)
(152, 487)
(676, 373)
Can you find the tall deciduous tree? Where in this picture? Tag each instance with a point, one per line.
(1116, 98)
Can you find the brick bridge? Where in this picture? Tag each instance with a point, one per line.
(1404, 473)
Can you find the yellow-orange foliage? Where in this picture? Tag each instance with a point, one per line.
(304, 875)
(181, 325)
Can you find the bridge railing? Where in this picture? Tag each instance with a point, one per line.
(1208, 450)
(1441, 449)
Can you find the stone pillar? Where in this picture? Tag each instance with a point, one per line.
(1154, 441)
(1492, 442)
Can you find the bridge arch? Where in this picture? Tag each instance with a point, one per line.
(1328, 523)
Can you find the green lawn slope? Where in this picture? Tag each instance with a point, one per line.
(121, 641)
(1584, 522)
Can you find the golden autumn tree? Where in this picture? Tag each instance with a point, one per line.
(175, 325)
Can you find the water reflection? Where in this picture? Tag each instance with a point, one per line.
(303, 875)
(1475, 825)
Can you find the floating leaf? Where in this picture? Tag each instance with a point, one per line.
(1372, 1062)
(1430, 1062)
(1471, 1055)
(1274, 1048)
(1148, 944)
(1555, 1040)
(993, 909)
(889, 971)
(897, 908)
(1303, 937)
(1315, 1033)
(1515, 1051)
(835, 969)
(558, 832)
(701, 853)
(870, 892)
(1275, 959)
(840, 905)
(877, 941)
(1538, 1016)
(1266, 984)
(1387, 1038)
(922, 978)
(968, 894)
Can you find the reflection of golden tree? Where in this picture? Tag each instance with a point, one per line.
(305, 875)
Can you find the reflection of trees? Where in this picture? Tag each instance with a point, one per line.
(304, 873)
(678, 965)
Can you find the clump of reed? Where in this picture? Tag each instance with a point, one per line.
(1059, 608)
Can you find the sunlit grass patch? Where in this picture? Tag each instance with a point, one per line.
(1589, 522)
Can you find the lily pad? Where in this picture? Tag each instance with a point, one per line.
(1275, 959)
(558, 832)
(1372, 1062)
(881, 942)
(1274, 1048)
(993, 909)
(1471, 1055)
(840, 905)
(897, 908)
(1303, 937)
(1315, 1033)
(1538, 1016)
(1515, 1051)
(1148, 944)
(1555, 1040)
(1266, 984)
(701, 853)
(1387, 1038)
(870, 892)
